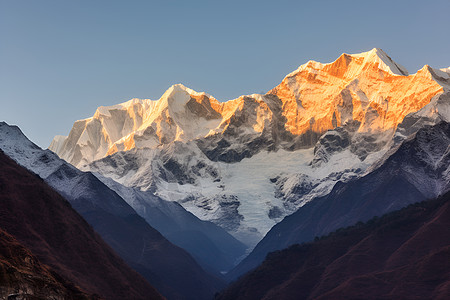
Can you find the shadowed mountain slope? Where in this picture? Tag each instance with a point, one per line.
(402, 255)
(163, 264)
(23, 275)
(44, 222)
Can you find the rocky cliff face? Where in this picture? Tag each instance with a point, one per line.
(247, 163)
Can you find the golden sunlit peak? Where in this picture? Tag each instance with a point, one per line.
(315, 98)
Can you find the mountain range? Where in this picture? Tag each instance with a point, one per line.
(237, 163)
(190, 185)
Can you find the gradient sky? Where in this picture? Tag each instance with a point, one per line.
(60, 60)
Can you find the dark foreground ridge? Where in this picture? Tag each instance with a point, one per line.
(402, 255)
(45, 223)
(23, 275)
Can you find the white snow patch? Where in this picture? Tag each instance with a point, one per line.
(249, 181)
(57, 143)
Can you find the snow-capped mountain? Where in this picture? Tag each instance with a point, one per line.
(163, 264)
(369, 88)
(416, 170)
(247, 163)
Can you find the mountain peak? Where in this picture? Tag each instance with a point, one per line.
(177, 96)
(179, 87)
(354, 64)
(386, 63)
(11, 135)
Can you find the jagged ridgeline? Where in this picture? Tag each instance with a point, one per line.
(246, 163)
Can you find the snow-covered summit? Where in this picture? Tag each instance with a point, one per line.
(17, 146)
(11, 135)
(385, 62)
(374, 56)
(181, 114)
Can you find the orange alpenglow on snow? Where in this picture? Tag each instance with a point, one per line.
(369, 88)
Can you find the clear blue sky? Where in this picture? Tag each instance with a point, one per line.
(60, 60)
